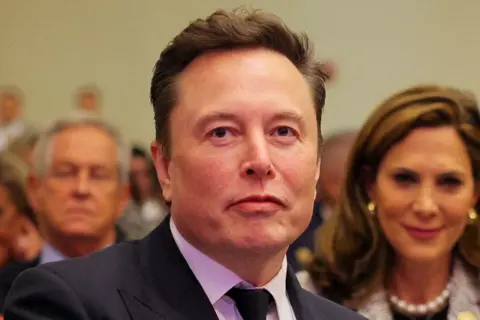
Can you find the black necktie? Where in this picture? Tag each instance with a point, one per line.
(252, 304)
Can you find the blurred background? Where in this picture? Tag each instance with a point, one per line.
(51, 48)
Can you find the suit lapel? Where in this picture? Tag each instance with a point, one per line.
(170, 289)
(139, 310)
(294, 291)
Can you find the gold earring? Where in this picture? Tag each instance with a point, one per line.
(371, 207)
(472, 215)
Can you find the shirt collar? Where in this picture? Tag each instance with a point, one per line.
(216, 280)
(50, 254)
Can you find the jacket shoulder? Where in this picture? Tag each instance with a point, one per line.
(328, 309)
(102, 264)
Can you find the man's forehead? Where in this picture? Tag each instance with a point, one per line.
(65, 159)
(226, 68)
(83, 142)
(207, 87)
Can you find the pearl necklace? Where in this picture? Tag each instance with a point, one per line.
(430, 307)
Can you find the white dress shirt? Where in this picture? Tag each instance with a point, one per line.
(216, 281)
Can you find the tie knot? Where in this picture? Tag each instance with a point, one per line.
(251, 304)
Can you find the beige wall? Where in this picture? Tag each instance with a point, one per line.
(50, 47)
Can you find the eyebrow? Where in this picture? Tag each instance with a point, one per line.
(215, 116)
(219, 115)
(459, 173)
(287, 115)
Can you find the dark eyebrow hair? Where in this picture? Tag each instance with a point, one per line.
(445, 173)
(221, 115)
(288, 115)
(213, 116)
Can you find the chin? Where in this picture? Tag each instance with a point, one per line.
(424, 255)
(262, 242)
(78, 231)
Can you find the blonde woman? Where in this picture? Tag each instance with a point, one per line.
(404, 242)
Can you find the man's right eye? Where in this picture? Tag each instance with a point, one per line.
(63, 172)
(219, 132)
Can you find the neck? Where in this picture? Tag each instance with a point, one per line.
(257, 269)
(33, 251)
(78, 246)
(413, 283)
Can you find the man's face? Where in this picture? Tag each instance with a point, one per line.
(9, 107)
(141, 171)
(81, 193)
(333, 168)
(89, 102)
(243, 165)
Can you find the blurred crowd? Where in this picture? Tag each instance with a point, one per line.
(72, 188)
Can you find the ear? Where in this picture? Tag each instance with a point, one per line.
(317, 175)
(33, 190)
(370, 182)
(162, 164)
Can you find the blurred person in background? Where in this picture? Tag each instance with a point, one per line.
(146, 209)
(89, 98)
(78, 187)
(23, 146)
(11, 112)
(404, 242)
(20, 240)
(335, 153)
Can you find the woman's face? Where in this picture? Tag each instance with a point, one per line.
(423, 191)
(142, 174)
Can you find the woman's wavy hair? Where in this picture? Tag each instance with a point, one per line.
(353, 257)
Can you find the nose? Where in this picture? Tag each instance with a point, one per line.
(425, 204)
(258, 162)
(82, 185)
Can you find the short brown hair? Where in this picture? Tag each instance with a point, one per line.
(353, 255)
(230, 31)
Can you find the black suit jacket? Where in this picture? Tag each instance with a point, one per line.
(146, 279)
(10, 272)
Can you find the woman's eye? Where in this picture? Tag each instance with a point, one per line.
(403, 178)
(450, 181)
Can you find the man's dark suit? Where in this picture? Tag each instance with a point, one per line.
(141, 280)
(10, 272)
